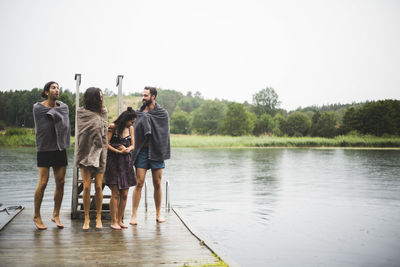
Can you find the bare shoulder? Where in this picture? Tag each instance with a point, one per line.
(111, 127)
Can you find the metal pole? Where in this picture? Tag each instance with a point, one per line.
(145, 195)
(119, 84)
(167, 196)
(74, 204)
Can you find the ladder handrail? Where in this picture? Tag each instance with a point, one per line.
(74, 202)
(167, 196)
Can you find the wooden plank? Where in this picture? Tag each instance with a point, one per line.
(147, 244)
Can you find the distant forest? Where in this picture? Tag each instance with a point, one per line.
(192, 114)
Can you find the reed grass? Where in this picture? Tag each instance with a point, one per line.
(272, 141)
(17, 140)
(194, 141)
(21, 140)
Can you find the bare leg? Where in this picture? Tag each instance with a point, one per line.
(86, 177)
(59, 177)
(123, 196)
(43, 179)
(99, 198)
(157, 174)
(114, 207)
(137, 193)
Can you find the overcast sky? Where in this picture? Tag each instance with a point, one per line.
(311, 52)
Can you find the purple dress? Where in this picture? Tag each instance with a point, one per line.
(119, 170)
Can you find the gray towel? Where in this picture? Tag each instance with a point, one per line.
(92, 140)
(154, 126)
(52, 127)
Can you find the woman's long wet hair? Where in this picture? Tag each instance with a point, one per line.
(92, 99)
(128, 115)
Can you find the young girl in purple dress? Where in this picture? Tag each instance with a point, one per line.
(119, 174)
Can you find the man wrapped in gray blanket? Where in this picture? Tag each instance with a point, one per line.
(152, 147)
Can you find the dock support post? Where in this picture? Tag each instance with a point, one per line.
(119, 84)
(74, 204)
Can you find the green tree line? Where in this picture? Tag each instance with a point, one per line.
(192, 114)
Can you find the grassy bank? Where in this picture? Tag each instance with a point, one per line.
(243, 141)
(267, 141)
(22, 137)
(17, 140)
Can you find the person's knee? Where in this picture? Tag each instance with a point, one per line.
(123, 196)
(157, 185)
(42, 185)
(115, 195)
(98, 188)
(60, 183)
(157, 181)
(157, 175)
(86, 189)
(140, 184)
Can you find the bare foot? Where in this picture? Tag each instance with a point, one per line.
(39, 224)
(160, 219)
(99, 224)
(56, 219)
(123, 225)
(133, 221)
(115, 226)
(86, 225)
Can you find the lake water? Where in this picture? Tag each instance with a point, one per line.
(267, 207)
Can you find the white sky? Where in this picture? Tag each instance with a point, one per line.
(311, 52)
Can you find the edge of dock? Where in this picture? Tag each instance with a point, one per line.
(217, 251)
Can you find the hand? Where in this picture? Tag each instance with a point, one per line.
(121, 147)
(125, 151)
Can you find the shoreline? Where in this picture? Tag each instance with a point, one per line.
(294, 147)
(218, 141)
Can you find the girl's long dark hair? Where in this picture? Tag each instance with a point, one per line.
(92, 100)
(128, 115)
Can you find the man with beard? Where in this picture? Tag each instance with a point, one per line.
(152, 147)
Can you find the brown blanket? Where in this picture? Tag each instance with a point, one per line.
(92, 140)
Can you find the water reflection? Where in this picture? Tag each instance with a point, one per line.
(265, 164)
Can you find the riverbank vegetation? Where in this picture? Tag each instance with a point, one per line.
(203, 141)
(261, 123)
(276, 141)
(17, 137)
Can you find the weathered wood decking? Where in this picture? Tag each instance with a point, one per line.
(147, 244)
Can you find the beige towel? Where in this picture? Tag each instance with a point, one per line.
(92, 140)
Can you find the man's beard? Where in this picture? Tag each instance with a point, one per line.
(147, 102)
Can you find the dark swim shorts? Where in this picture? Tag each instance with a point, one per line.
(52, 158)
(143, 161)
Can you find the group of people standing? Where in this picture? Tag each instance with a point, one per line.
(136, 140)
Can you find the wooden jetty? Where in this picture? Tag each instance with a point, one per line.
(147, 244)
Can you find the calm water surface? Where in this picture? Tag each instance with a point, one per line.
(268, 207)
